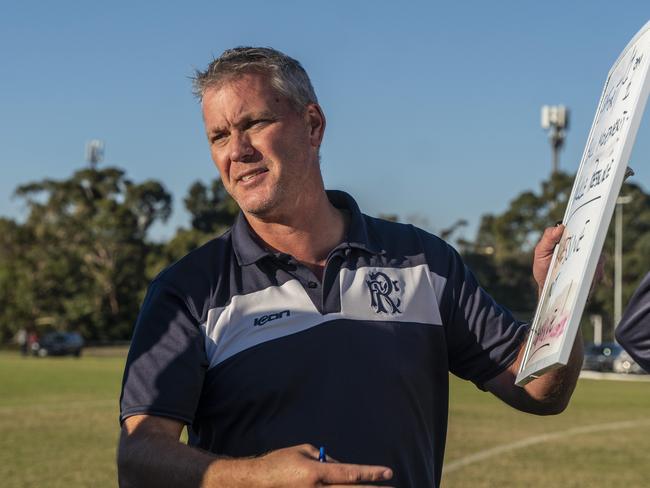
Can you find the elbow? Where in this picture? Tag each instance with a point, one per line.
(543, 408)
(553, 408)
(552, 395)
(552, 404)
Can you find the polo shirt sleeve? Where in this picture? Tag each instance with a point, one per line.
(633, 332)
(483, 338)
(166, 363)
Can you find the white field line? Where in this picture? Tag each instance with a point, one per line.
(538, 439)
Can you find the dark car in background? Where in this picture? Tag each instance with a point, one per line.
(59, 344)
(600, 357)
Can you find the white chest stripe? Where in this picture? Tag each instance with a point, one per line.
(395, 294)
(232, 329)
(374, 294)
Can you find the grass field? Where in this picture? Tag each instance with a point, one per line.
(58, 420)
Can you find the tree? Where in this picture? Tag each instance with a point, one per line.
(636, 254)
(518, 229)
(82, 257)
(212, 211)
(16, 305)
(501, 254)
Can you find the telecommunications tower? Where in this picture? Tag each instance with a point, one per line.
(555, 119)
(94, 152)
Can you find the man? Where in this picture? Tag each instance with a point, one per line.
(633, 332)
(308, 323)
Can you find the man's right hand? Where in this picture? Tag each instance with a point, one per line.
(150, 454)
(298, 466)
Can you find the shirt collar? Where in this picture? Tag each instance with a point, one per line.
(248, 249)
(358, 235)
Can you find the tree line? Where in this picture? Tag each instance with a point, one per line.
(502, 252)
(82, 258)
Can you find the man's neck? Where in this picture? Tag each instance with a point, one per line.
(307, 234)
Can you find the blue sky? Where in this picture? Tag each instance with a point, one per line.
(433, 108)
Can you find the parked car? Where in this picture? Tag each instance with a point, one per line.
(625, 364)
(600, 357)
(58, 344)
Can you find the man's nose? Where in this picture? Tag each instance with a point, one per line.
(241, 149)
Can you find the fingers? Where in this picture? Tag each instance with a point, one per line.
(330, 459)
(312, 452)
(353, 474)
(299, 466)
(549, 240)
(544, 253)
(309, 450)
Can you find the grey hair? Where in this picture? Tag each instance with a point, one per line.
(285, 74)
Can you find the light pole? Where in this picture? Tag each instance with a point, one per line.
(555, 119)
(618, 258)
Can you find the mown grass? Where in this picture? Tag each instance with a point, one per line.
(59, 428)
(614, 453)
(58, 421)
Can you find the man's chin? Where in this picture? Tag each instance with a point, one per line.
(266, 205)
(259, 208)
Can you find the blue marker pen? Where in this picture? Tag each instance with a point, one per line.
(322, 457)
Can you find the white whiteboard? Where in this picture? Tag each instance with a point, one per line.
(589, 210)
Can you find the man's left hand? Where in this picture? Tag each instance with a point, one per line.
(544, 254)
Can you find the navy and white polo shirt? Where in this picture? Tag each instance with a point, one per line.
(256, 354)
(633, 332)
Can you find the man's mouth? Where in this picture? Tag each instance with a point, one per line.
(249, 176)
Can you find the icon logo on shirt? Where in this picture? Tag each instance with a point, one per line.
(384, 293)
(272, 316)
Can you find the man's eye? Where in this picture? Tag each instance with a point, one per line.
(217, 137)
(258, 122)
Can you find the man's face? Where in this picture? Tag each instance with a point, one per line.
(266, 152)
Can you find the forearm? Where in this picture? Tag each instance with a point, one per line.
(552, 391)
(152, 459)
(547, 395)
(161, 461)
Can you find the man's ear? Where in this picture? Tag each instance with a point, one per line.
(316, 122)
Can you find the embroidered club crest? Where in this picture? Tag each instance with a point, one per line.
(384, 293)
